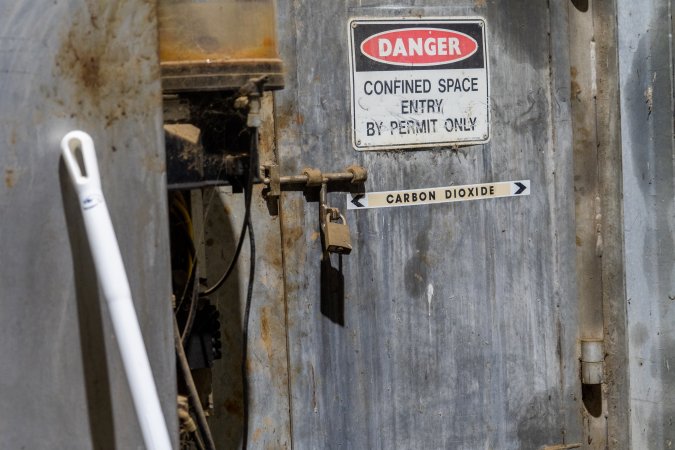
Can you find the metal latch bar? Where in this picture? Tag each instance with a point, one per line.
(310, 177)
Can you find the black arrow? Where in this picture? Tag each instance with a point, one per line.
(521, 188)
(355, 200)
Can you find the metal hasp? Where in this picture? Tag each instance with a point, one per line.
(335, 233)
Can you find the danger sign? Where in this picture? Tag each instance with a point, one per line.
(418, 83)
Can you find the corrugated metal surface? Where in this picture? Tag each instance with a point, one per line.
(89, 65)
(646, 79)
(459, 320)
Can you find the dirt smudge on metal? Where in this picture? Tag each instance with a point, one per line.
(153, 163)
(10, 178)
(272, 255)
(100, 69)
(292, 235)
(257, 434)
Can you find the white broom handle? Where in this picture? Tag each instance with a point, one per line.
(113, 282)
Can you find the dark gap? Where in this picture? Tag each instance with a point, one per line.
(592, 397)
(581, 5)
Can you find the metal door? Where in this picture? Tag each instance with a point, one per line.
(452, 325)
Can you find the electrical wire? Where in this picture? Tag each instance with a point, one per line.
(192, 389)
(178, 205)
(190, 282)
(192, 311)
(244, 349)
(248, 194)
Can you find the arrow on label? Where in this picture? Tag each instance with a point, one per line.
(521, 188)
(355, 200)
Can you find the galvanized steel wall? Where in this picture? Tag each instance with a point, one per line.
(646, 80)
(89, 65)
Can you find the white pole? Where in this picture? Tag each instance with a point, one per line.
(113, 282)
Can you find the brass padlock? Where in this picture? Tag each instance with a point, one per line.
(336, 237)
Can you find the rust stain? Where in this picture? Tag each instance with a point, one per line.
(273, 256)
(578, 241)
(10, 178)
(100, 70)
(299, 119)
(257, 435)
(292, 235)
(285, 116)
(315, 235)
(575, 91)
(265, 329)
(480, 3)
(208, 39)
(574, 72)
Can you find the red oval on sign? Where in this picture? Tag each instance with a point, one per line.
(419, 47)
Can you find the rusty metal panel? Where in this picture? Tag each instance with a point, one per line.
(90, 65)
(448, 326)
(646, 80)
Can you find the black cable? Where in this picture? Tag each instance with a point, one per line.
(192, 389)
(248, 194)
(244, 349)
(249, 295)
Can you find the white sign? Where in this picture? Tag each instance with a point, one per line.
(410, 197)
(419, 83)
